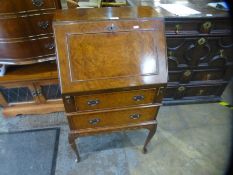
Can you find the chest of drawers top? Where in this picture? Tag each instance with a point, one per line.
(109, 48)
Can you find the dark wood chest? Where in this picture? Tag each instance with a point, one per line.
(112, 68)
(26, 34)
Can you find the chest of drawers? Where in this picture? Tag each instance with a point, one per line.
(112, 69)
(26, 34)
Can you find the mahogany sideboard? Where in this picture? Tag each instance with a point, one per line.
(26, 34)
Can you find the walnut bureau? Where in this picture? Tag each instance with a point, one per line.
(112, 69)
(26, 34)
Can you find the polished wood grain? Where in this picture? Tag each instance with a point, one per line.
(26, 34)
(115, 99)
(35, 72)
(112, 118)
(142, 62)
(26, 27)
(27, 49)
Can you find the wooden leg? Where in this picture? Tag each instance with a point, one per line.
(152, 130)
(73, 145)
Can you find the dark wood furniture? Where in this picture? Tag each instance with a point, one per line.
(30, 89)
(199, 50)
(108, 85)
(26, 34)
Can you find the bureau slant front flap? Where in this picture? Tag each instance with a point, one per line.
(96, 55)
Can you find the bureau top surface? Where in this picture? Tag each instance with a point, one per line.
(110, 53)
(105, 13)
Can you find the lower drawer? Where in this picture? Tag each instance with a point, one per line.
(186, 91)
(112, 118)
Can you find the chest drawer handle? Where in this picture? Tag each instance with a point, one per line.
(37, 3)
(43, 24)
(187, 73)
(181, 89)
(138, 98)
(94, 121)
(135, 116)
(93, 102)
(178, 27)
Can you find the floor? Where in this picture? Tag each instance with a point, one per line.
(190, 140)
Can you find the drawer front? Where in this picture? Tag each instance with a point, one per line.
(26, 49)
(112, 26)
(187, 75)
(199, 51)
(113, 118)
(13, 6)
(194, 27)
(26, 26)
(186, 92)
(116, 99)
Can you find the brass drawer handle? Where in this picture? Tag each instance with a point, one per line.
(94, 121)
(178, 27)
(112, 28)
(43, 24)
(93, 102)
(138, 98)
(135, 116)
(207, 25)
(37, 3)
(181, 88)
(201, 41)
(187, 73)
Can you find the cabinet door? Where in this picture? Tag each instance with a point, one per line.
(13, 94)
(48, 91)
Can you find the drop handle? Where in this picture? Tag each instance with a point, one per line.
(94, 121)
(138, 98)
(43, 24)
(93, 102)
(135, 116)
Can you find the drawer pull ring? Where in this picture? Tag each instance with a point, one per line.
(187, 73)
(94, 121)
(37, 3)
(178, 27)
(201, 41)
(135, 116)
(43, 24)
(138, 98)
(93, 102)
(207, 25)
(181, 88)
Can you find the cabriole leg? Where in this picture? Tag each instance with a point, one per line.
(73, 145)
(152, 130)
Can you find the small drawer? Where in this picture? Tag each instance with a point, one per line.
(116, 99)
(14, 6)
(113, 26)
(181, 27)
(194, 27)
(27, 49)
(112, 118)
(24, 27)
